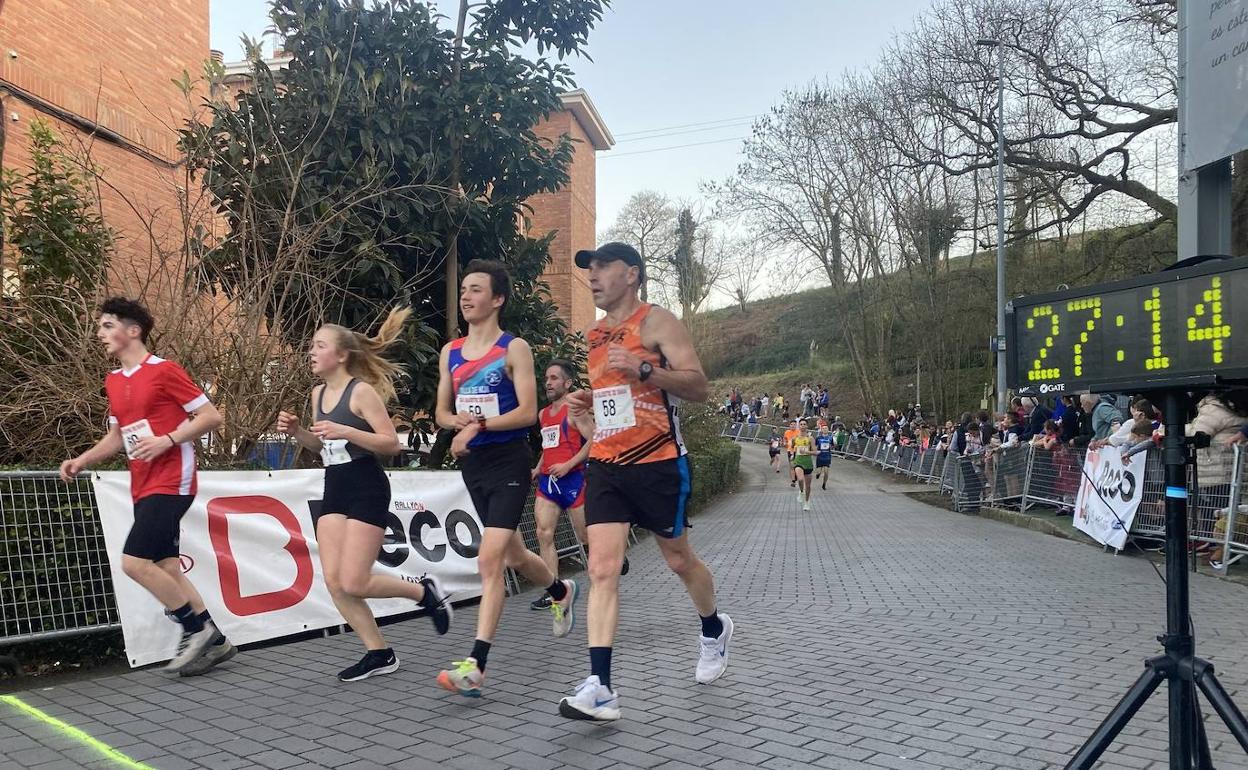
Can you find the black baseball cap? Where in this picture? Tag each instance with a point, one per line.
(609, 251)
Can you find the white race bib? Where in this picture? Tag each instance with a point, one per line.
(133, 433)
(334, 451)
(478, 405)
(613, 407)
(550, 437)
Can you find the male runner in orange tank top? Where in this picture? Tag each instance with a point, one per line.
(641, 364)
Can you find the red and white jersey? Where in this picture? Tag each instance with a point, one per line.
(153, 399)
(560, 438)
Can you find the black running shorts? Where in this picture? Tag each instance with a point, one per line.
(650, 495)
(157, 527)
(498, 477)
(358, 490)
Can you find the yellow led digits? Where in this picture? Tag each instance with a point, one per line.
(1215, 332)
(1038, 370)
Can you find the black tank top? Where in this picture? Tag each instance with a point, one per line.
(339, 451)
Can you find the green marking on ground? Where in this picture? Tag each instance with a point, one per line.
(67, 729)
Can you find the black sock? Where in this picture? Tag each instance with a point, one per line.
(600, 664)
(557, 590)
(480, 651)
(205, 618)
(712, 626)
(186, 616)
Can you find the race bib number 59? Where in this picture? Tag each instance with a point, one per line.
(482, 405)
(613, 407)
(133, 433)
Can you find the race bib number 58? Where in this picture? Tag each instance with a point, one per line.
(613, 407)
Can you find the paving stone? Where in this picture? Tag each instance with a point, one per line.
(873, 632)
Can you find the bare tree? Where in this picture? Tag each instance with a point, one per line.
(647, 223)
(1085, 83)
(744, 264)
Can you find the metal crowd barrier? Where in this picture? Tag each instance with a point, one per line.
(54, 575)
(1053, 477)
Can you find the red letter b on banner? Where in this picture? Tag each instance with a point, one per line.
(218, 531)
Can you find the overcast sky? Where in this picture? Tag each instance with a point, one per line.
(675, 73)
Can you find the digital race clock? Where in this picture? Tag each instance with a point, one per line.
(1177, 328)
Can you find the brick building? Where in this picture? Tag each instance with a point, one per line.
(101, 75)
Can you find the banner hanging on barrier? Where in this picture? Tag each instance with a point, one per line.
(249, 547)
(1107, 516)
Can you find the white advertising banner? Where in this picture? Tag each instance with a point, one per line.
(249, 547)
(1215, 110)
(1107, 516)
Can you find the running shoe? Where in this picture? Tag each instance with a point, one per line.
(592, 702)
(806, 506)
(440, 610)
(465, 678)
(541, 603)
(214, 655)
(191, 646)
(373, 663)
(564, 612)
(713, 657)
(800, 497)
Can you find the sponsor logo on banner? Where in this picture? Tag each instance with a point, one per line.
(1109, 495)
(249, 546)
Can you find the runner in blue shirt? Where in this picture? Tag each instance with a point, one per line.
(823, 460)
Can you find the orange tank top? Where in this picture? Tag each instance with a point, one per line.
(635, 422)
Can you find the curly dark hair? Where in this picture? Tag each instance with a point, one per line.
(130, 311)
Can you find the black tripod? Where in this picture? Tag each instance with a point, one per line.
(1178, 667)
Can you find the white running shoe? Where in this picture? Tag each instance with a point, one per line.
(564, 612)
(800, 496)
(806, 507)
(713, 658)
(191, 646)
(592, 702)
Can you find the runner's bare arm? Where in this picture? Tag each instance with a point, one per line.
(105, 448)
(444, 412)
(205, 420)
(683, 376)
(289, 423)
(581, 415)
(520, 369)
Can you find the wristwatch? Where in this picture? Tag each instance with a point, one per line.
(644, 371)
(481, 423)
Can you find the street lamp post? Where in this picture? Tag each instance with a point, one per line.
(1001, 386)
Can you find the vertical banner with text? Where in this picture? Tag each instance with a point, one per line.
(1109, 495)
(249, 547)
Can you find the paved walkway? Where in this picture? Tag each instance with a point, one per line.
(875, 631)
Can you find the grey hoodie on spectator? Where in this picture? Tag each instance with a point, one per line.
(1104, 415)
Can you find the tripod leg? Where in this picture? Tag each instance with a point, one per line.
(1091, 751)
(1204, 760)
(1221, 701)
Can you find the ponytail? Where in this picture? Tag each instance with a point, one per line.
(364, 359)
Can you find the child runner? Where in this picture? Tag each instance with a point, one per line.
(156, 414)
(488, 392)
(350, 428)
